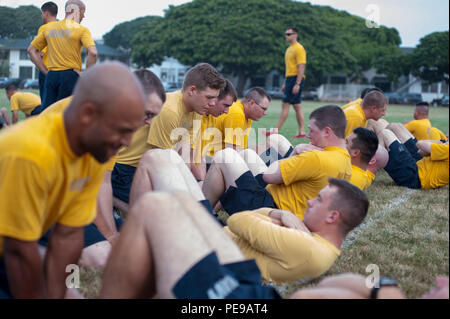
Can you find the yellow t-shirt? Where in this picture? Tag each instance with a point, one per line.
(25, 102)
(43, 182)
(64, 40)
(371, 177)
(211, 136)
(175, 124)
(282, 254)
(45, 50)
(295, 55)
(433, 170)
(234, 126)
(59, 107)
(352, 103)
(420, 129)
(306, 174)
(360, 178)
(436, 134)
(132, 154)
(355, 118)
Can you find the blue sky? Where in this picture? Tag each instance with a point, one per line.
(412, 18)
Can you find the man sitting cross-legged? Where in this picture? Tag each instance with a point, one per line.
(241, 185)
(406, 165)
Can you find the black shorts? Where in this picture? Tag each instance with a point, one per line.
(5, 292)
(412, 149)
(271, 155)
(248, 195)
(289, 85)
(208, 279)
(402, 167)
(121, 180)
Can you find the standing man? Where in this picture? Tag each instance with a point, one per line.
(49, 11)
(64, 40)
(295, 60)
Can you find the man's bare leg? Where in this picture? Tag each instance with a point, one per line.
(283, 115)
(279, 143)
(166, 244)
(121, 205)
(254, 162)
(226, 168)
(4, 113)
(387, 137)
(400, 131)
(300, 118)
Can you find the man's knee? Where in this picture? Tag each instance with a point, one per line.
(226, 156)
(157, 157)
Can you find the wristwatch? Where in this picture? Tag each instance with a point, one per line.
(383, 282)
(298, 83)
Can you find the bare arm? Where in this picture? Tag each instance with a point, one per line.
(64, 249)
(300, 74)
(425, 147)
(273, 174)
(91, 56)
(24, 269)
(36, 58)
(15, 116)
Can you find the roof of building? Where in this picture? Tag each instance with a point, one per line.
(23, 44)
(407, 50)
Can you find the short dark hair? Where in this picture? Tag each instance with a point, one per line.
(331, 116)
(10, 87)
(374, 98)
(368, 90)
(293, 29)
(366, 141)
(51, 8)
(351, 202)
(257, 94)
(228, 90)
(204, 76)
(151, 83)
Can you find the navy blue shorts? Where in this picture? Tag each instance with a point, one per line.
(41, 85)
(289, 85)
(36, 111)
(208, 279)
(5, 292)
(207, 204)
(58, 85)
(121, 180)
(248, 195)
(271, 155)
(402, 167)
(412, 149)
(91, 233)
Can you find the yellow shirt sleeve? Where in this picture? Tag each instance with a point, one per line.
(439, 152)
(162, 127)
(436, 134)
(354, 120)
(300, 55)
(23, 194)
(300, 167)
(14, 102)
(86, 39)
(40, 42)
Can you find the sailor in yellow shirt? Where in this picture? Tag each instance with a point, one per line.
(51, 168)
(211, 136)
(295, 61)
(49, 12)
(178, 125)
(286, 248)
(235, 127)
(64, 41)
(437, 135)
(421, 126)
(359, 100)
(22, 101)
(362, 145)
(405, 165)
(373, 107)
(286, 184)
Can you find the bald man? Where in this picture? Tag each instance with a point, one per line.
(51, 167)
(64, 39)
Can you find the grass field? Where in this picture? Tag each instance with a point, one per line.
(406, 232)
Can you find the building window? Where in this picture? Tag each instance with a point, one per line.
(425, 87)
(24, 55)
(434, 88)
(444, 87)
(338, 80)
(26, 72)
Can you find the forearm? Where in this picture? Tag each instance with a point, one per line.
(424, 147)
(64, 249)
(91, 60)
(15, 117)
(301, 72)
(105, 220)
(24, 273)
(35, 57)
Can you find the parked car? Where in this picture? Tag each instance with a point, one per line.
(171, 87)
(411, 98)
(9, 81)
(2, 81)
(443, 101)
(275, 93)
(393, 98)
(310, 95)
(31, 84)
